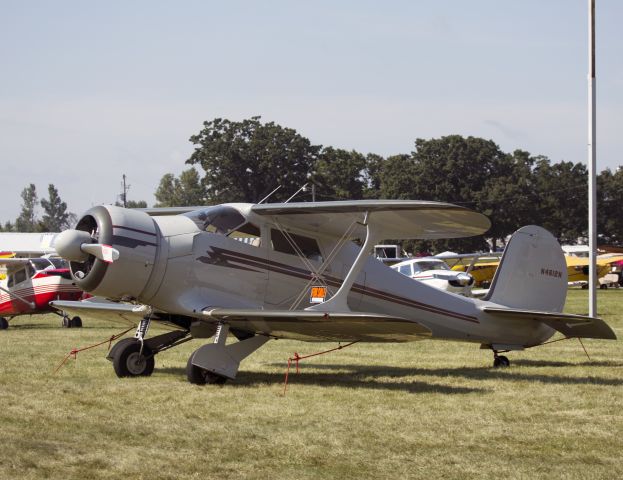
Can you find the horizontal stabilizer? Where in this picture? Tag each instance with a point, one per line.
(320, 326)
(568, 324)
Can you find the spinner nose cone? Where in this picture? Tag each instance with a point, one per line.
(68, 245)
(464, 279)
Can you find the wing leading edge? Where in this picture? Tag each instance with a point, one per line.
(401, 219)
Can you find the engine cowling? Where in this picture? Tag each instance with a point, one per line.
(131, 233)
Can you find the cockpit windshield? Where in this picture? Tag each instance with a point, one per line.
(424, 266)
(42, 263)
(59, 263)
(218, 219)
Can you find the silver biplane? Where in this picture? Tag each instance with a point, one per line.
(303, 271)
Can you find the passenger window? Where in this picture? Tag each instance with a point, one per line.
(20, 276)
(309, 246)
(247, 233)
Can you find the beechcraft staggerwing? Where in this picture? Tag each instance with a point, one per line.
(303, 271)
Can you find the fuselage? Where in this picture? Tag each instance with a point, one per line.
(30, 289)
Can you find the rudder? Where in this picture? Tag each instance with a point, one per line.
(532, 273)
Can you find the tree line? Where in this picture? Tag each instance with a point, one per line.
(244, 161)
(55, 215)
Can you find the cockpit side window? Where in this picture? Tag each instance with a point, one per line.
(405, 269)
(247, 233)
(219, 219)
(309, 246)
(20, 276)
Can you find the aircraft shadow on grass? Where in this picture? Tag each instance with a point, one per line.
(355, 379)
(479, 373)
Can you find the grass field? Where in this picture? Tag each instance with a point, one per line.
(430, 410)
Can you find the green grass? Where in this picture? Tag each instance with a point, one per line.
(430, 409)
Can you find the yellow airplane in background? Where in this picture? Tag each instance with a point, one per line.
(483, 269)
(5, 255)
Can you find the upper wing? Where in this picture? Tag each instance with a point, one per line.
(320, 326)
(27, 243)
(568, 324)
(400, 219)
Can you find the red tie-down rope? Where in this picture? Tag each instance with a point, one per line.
(74, 351)
(297, 358)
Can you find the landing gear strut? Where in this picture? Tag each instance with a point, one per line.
(75, 322)
(217, 362)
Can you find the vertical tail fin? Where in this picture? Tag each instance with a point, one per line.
(532, 273)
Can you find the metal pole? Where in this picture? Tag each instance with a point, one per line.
(592, 181)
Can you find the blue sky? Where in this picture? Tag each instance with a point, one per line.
(89, 91)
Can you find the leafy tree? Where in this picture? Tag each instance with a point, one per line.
(180, 192)
(7, 227)
(372, 175)
(339, 174)
(449, 169)
(561, 199)
(508, 196)
(27, 221)
(55, 216)
(132, 204)
(244, 161)
(610, 207)
(136, 204)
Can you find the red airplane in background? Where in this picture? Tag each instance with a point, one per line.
(31, 284)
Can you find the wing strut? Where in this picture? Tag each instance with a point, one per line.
(316, 275)
(338, 303)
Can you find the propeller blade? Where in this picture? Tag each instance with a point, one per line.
(105, 253)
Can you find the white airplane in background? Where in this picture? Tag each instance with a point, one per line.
(436, 273)
(302, 277)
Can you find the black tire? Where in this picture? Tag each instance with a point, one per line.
(199, 376)
(128, 363)
(66, 322)
(603, 287)
(4, 323)
(76, 322)
(501, 362)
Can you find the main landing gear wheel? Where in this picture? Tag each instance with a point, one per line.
(4, 323)
(128, 361)
(66, 322)
(75, 322)
(500, 361)
(200, 376)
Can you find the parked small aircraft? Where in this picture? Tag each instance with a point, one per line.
(436, 273)
(31, 284)
(298, 274)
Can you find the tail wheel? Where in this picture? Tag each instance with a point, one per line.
(129, 361)
(4, 323)
(501, 361)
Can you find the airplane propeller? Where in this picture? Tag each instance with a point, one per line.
(76, 246)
